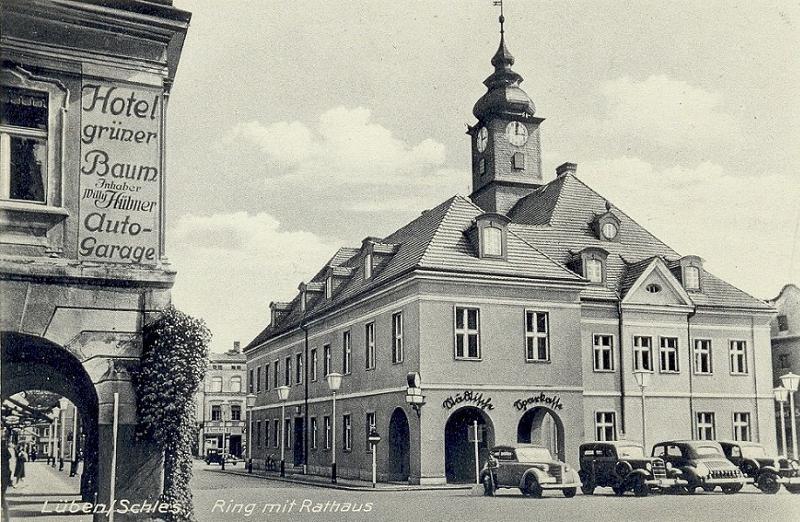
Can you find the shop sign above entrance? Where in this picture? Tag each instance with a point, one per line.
(468, 396)
(551, 401)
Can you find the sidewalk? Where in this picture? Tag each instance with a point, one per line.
(45, 489)
(346, 484)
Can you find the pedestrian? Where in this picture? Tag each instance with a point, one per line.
(34, 454)
(19, 468)
(6, 475)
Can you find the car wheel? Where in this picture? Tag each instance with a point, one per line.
(793, 488)
(532, 487)
(768, 483)
(730, 490)
(618, 490)
(569, 492)
(587, 489)
(640, 488)
(488, 486)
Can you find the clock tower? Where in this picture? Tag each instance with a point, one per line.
(506, 148)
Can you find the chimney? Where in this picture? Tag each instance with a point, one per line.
(237, 347)
(566, 168)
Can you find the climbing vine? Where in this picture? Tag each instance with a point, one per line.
(173, 363)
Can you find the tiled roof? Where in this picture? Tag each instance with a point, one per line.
(229, 356)
(547, 228)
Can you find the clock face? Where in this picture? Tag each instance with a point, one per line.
(482, 139)
(517, 133)
(609, 230)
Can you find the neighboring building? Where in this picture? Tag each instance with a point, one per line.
(785, 333)
(221, 403)
(84, 89)
(525, 308)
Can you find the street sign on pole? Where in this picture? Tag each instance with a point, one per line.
(477, 460)
(374, 438)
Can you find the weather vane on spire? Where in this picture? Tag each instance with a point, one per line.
(502, 18)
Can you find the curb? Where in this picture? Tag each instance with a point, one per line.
(448, 487)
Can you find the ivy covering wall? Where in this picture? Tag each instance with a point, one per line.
(173, 364)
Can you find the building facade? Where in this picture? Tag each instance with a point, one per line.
(522, 313)
(84, 92)
(221, 403)
(785, 334)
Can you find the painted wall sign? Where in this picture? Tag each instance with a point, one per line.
(551, 401)
(120, 173)
(468, 397)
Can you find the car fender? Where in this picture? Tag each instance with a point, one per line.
(642, 472)
(572, 476)
(772, 469)
(690, 473)
(536, 472)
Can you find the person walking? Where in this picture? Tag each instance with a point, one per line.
(19, 468)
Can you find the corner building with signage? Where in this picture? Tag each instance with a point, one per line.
(84, 88)
(525, 308)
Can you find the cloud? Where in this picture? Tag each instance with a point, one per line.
(344, 147)
(666, 112)
(740, 224)
(230, 266)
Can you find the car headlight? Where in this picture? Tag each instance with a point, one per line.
(649, 466)
(669, 465)
(566, 467)
(795, 465)
(702, 470)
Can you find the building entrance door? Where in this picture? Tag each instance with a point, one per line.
(541, 426)
(459, 451)
(299, 439)
(399, 446)
(235, 445)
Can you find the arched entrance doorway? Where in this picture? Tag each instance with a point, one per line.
(541, 426)
(459, 450)
(33, 363)
(399, 446)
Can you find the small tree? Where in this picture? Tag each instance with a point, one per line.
(173, 364)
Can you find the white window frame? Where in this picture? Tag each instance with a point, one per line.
(367, 267)
(287, 433)
(347, 432)
(236, 379)
(492, 241)
(298, 370)
(326, 426)
(664, 353)
(599, 349)
(397, 337)
(328, 287)
(326, 359)
(347, 352)
(703, 349)
(465, 332)
(691, 283)
(742, 426)
(705, 421)
(258, 380)
(216, 407)
(287, 371)
(266, 433)
(534, 336)
(370, 419)
(214, 382)
(369, 345)
(276, 374)
(639, 349)
(313, 362)
(603, 421)
(737, 350)
(276, 433)
(313, 429)
(594, 270)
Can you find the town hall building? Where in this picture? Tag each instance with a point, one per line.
(526, 308)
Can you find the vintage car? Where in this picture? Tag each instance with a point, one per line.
(623, 466)
(768, 471)
(530, 468)
(214, 456)
(703, 464)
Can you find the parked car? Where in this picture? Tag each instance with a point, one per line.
(767, 471)
(530, 468)
(214, 456)
(703, 464)
(623, 466)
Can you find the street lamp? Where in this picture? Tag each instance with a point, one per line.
(790, 382)
(283, 394)
(414, 395)
(251, 401)
(781, 395)
(643, 380)
(334, 382)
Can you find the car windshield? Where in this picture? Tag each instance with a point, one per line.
(708, 450)
(635, 452)
(533, 454)
(753, 452)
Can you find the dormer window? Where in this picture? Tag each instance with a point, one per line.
(489, 235)
(607, 225)
(368, 266)
(591, 264)
(594, 270)
(691, 278)
(303, 301)
(691, 273)
(329, 287)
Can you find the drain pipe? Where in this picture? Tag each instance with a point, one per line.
(690, 350)
(621, 367)
(304, 327)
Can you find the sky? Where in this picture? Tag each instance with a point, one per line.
(297, 127)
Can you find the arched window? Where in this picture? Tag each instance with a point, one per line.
(236, 384)
(594, 270)
(492, 241)
(216, 384)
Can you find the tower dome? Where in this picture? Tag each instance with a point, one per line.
(503, 95)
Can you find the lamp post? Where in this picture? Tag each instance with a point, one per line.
(643, 380)
(414, 395)
(334, 382)
(790, 382)
(283, 394)
(781, 394)
(251, 401)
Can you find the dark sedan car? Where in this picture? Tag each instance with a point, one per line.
(703, 464)
(767, 470)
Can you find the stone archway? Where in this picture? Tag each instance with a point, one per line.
(30, 362)
(399, 446)
(543, 427)
(459, 452)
